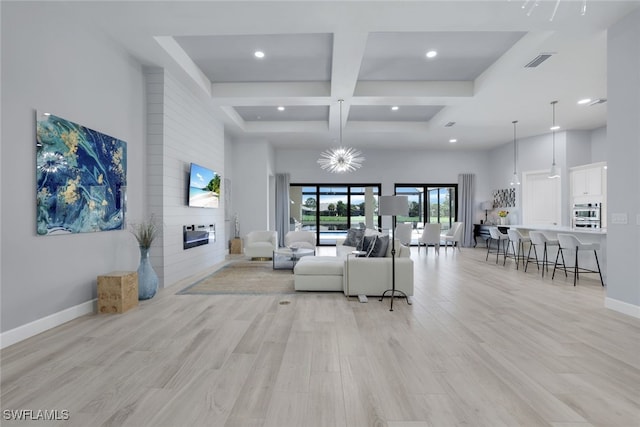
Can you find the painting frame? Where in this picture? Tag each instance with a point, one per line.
(81, 178)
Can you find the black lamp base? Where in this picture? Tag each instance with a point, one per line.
(393, 292)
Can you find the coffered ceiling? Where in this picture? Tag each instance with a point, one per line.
(372, 54)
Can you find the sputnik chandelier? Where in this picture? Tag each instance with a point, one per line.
(340, 159)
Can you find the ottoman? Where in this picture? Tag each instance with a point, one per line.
(319, 273)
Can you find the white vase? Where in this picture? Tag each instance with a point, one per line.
(502, 220)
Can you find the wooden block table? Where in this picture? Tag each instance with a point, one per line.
(235, 246)
(117, 291)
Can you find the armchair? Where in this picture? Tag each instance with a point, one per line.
(300, 239)
(261, 244)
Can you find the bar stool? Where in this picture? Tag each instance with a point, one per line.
(571, 242)
(499, 237)
(539, 238)
(516, 239)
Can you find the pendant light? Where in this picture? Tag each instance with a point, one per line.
(340, 159)
(514, 179)
(554, 172)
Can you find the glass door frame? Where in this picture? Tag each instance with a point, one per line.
(423, 214)
(318, 194)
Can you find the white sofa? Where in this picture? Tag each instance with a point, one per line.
(355, 276)
(372, 276)
(260, 244)
(319, 273)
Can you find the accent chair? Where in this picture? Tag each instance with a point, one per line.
(260, 244)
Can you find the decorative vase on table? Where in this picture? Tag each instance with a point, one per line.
(502, 220)
(147, 277)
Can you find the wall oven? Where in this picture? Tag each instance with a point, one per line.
(587, 215)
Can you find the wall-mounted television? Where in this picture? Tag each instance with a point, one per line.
(204, 187)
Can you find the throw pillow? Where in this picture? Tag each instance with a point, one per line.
(354, 237)
(380, 247)
(368, 243)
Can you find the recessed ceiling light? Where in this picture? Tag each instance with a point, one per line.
(47, 114)
(584, 101)
(431, 54)
(259, 54)
(395, 108)
(453, 141)
(281, 108)
(554, 128)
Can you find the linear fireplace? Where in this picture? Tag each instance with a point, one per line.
(198, 235)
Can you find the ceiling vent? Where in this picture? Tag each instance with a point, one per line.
(538, 60)
(448, 125)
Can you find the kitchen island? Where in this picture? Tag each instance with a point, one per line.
(585, 235)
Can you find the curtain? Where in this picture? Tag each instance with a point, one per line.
(283, 204)
(466, 190)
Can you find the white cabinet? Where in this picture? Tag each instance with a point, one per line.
(588, 183)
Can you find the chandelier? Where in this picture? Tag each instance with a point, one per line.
(340, 159)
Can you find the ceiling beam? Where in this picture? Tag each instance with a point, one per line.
(415, 89)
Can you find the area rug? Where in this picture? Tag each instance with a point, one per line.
(244, 277)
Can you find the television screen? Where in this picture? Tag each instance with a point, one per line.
(204, 187)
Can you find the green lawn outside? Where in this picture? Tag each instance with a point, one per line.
(342, 220)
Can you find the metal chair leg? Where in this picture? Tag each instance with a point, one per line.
(488, 248)
(575, 276)
(598, 264)
(555, 264)
(535, 253)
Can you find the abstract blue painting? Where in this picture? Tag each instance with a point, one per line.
(81, 177)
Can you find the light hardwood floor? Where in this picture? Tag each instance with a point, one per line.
(482, 345)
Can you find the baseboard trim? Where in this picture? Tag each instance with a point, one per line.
(23, 332)
(622, 307)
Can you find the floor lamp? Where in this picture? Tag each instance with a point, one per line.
(393, 206)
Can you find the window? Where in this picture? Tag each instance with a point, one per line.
(330, 210)
(429, 203)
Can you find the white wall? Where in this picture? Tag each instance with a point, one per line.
(182, 130)
(229, 155)
(389, 167)
(52, 62)
(252, 186)
(599, 145)
(578, 148)
(535, 154)
(623, 158)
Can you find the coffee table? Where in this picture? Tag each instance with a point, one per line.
(286, 258)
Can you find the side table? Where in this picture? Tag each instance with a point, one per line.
(283, 256)
(117, 291)
(235, 246)
(482, 231)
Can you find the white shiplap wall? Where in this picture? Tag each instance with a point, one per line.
(181, 130)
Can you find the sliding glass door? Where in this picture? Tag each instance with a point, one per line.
(429, 203)
(330, 210)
